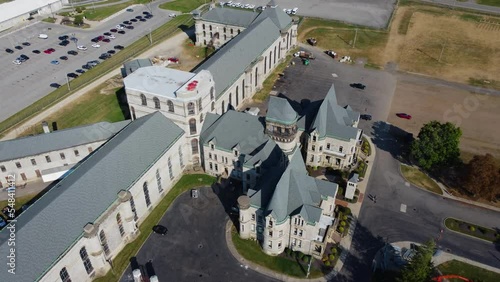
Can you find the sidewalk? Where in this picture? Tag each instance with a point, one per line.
(345, 243)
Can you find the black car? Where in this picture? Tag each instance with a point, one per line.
(64, 43)
(126, 22)
(36, 51)
(129, 27)
(26, 44)
(119, 47)
(121, 31)
(107, 55)
(142, 20)
(160, 229)
(107, 33)
(10, 51)
(133, 20)
(55, 85)
(103, 57)
(64, 58)
(366, 117)
(111, 51)
(113, 30)
(138, 17)
(146, 13)
(24, 57)
(358, 85)
(72, 74)
(95, 40)
(80, 71)
(63, 37)
(148, 16)
(19, 48)
(72, 52)
(87, 67)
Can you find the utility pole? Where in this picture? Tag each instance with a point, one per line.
(67, 82)
(442, 50)
(355, 37)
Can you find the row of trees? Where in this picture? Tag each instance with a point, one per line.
(436, 150)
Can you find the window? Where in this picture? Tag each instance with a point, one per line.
(225, 37)
(281, 233)
(239, 31)
(190, 108)
(212, 93)
(2, 168)
(212, 146)
(230, 99)
(242, 227)
(252, 227)
(270, 233)
(215, 157)
(18, 165)
(256, 77)
(313, 148)
(210, 155)
(203, 26)
(47, 158)
(231, 31)
(216, 167)
(328, 146)
(192, 126)
(300, 243)
(120, 224)
(320, 148)
(133, 113)
(237, 95)
(170, 106)
(200, 105)
(314, 138)
(213, 106)
(132, 207)
(279, 244)
(194, 146)
(170, 173)
(224, 29)
(295, 231)
(63, 156)
(270, 58)
(86, 261)
(341, 149)
(223, 107)
(211, 166)
(181, 157)
(312, 158)
(63, 274)
(270, 244)
(146, 194)
(300, 233)
(144, 102)
(265, 65)
(201, 118)
(274, 60)
(77, 154)
(270, 223)
(33, 161)
(104, 242)
(23, 177)
(211, 35)
(243, 89)
(210, 27)
(157, 102)
(204, 41)
(158, 181)
(279, 50)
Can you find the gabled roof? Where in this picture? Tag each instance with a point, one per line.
(294, 192)
(228, 16)
(280, 110)
(58, 140)
(354, 178)
(230, 61)
(280, 18)
(133, 65)
(335, 121)
(49, 227)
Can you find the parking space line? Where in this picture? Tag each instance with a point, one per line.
(403, 208)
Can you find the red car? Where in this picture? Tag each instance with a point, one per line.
(106, 40)
(403, 115)
(100, 38)
(173, 60)
(49, 51)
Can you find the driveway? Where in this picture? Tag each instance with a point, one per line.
(304, 84)
(195, 248)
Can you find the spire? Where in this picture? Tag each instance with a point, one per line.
(272, 4)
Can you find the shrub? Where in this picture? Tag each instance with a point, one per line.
(341, 229)
(288, 251)
(327, 263)
(482, 229)
(306, 259)
(325, 259)
(300, 256)
(297, 255)
(472, 228)
(342, 223)
(331, 257)
(356, 192)
(333, 250)
(344, 217)
(78, 20)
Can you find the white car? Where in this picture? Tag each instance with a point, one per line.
(251, 6)
(16, 62)
(172, 15)
(119, 26)
(81, 47)
(111, 36)
(95, 45)
(294, 10)
(246, 6)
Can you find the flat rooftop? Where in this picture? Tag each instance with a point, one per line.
(156, 80)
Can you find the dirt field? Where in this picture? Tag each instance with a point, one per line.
(477, 115)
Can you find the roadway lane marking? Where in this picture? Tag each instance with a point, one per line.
(403, 208)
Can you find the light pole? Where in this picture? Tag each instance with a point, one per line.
(67, 82)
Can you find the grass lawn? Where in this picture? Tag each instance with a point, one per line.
(489, 2)
(184, 6)
(49, 20)
(121, 261)
(268, 84)
(477, 231)
(420, 179)
(101, 13)
(471, 272)
(100, 104)
(251, 251)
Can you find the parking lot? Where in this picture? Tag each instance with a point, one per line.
(374, 13)
(194, 249)
(304, 84)
(24, 84)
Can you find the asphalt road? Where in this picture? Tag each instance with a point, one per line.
(195, 248)
(26, 83)
(374, 13)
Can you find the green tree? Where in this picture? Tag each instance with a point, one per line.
(436, 146)
(78, 20)
(420, 268)
(482, 176)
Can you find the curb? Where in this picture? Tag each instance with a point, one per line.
(464, 234)
(418, 186)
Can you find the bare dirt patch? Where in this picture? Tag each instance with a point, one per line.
(480, 133)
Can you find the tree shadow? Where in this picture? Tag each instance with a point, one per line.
(392, 139)
(121, 96)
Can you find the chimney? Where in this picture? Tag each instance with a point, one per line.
(45, 127)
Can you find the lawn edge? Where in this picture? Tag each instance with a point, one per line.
(416, 185)
(464, 234)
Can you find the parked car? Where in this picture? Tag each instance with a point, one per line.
(36, 51)
(55, 85)
(121, 31)
(16, 62)
(95, 40)
(24, 57)
(126, 22)
(54, 62)
(133, 20)
(173, 60)
(312, 41)
(111, 51)
(86, 66)
(72, 52)
(118, 47)
(130, 10)
(366, 117)
(172, 15)
(64, 58)
(26, 44)
(95, 45)
(49, 51)
(145, 13)
(72, 75)
(80, 71)
(129, 27)
(403, 115)
(106, 40)
(138, 17)
(10, 51)
(107, 33)
(119, 26)
(18, 47)
(81, 47)
(142, 20)
(64, 43)
(111, 36)
(358, 86)
(63, 37)
(43, 36)
(160, 229)
(113, 30)
(148, 16)
(331, 53)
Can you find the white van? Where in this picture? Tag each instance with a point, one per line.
(43, 36)
(294, 11)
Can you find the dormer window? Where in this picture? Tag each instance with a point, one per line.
(235, 153)
(341, 149)
(190, 108)
(212, 146)
(314, 138)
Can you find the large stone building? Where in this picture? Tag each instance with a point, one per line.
(75, 229)
(19, 11)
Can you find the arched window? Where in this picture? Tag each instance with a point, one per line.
(120, 224)
(213, 106)
(224, 29)
(237, 95)
(146, 194)
(211, 35)
(200, 105)
(170, 172)
(279, 50)
(133, 113)
(201, 118)
(181, 157)
(210, 27)
(270, 57)
(239, 31)
(132, 207)
(265, 65)
(86, 261)
(144, 102)
(274, 55)
(287, 40)
(158, 181)
(194, 146)
(190, 108)
(204, 41)
(231, 31)
(157, 102)
(225, 37)
(192, 126)
(204, 33)
(223, 107)
(63, 274)
(243, 89)
(170, 106)
(104, 242)
(256, 77)
(212, 93)
(230, 99)
(203, 26)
